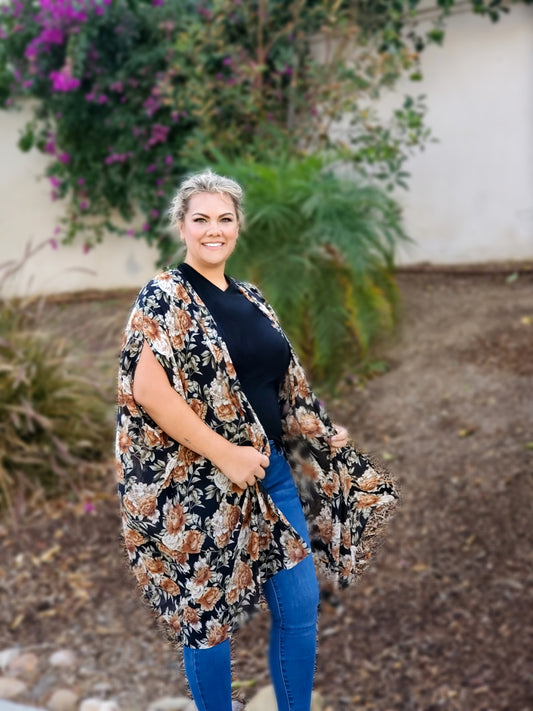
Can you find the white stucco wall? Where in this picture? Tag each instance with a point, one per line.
(470, 196)
(28, 218)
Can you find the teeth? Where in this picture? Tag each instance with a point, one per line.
(213, 244)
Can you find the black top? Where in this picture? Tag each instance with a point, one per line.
(258, 351)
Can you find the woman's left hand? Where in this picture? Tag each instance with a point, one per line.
(340, 439)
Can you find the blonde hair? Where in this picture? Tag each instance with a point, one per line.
(205, 182)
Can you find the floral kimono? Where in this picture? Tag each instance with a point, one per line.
(199, 546)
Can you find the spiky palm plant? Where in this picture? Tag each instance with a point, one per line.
(54, 425)
(321, 247)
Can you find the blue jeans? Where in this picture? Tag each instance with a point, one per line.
(292, 598)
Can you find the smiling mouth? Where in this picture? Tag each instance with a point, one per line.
(213, 244)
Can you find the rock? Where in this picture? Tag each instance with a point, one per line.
(93, 704)
(63, 658)
(265, 700)
(7, 656)
(10, 687)
(171, 703)
(25, 665)
(63, 700)
(43, 686)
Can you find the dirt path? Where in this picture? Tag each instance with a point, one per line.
(444, 617)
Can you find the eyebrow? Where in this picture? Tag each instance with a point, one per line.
(224, 214)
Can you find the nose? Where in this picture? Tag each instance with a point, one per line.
(213, 229)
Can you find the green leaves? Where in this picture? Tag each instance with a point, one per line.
(54, 425)
(321, 247)
(258, 79)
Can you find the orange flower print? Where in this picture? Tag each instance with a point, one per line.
(217, 633)
(226, 411)
(187, 456)
(174, 623)
(232, 514)
(346, 537)
(183, 380)
(150, 328)
(325, 528)
(209, 599)
(291, 426)
(179, 473)
(243, 578)
(310, 469)
(346, 481)
(170, 587)
(125, 399)
(137, 320)
(132, 539)
(182, 294)
(198, 407)
(253, 545)
(124, 440)
(190, 616)
(155, 437)
(119, 471)
(217, 352)
(141, 575)
(369, 480)
(146, 505)
(203, 574)
(154, 566)
(330, 488)
(310, 425)
(295, 550)
(175, 519)
(367, 500)
(347, 570)
(182, 321)
(193, 542)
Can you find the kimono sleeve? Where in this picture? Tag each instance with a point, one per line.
(155, 320)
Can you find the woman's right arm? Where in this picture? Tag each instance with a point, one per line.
(153, 391)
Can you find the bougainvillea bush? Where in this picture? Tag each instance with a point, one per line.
(93, 68)
(131, 94)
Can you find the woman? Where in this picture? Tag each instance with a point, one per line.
(214, 413)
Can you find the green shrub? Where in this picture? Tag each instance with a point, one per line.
(321, 247)
(54, 425)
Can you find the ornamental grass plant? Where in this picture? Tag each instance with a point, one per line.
(321, 247)
(55, 426)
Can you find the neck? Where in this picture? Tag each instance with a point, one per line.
(214, 274)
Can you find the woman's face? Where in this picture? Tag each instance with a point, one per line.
(209, 230)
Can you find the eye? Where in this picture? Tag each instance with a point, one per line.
(199, 219)
(227, 219)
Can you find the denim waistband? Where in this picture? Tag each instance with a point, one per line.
(276, 446)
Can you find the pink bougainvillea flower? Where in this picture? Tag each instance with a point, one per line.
(64, 158)
(53, 243)
(63, 80)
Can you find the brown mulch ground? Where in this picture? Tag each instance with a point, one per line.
(444, 617)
